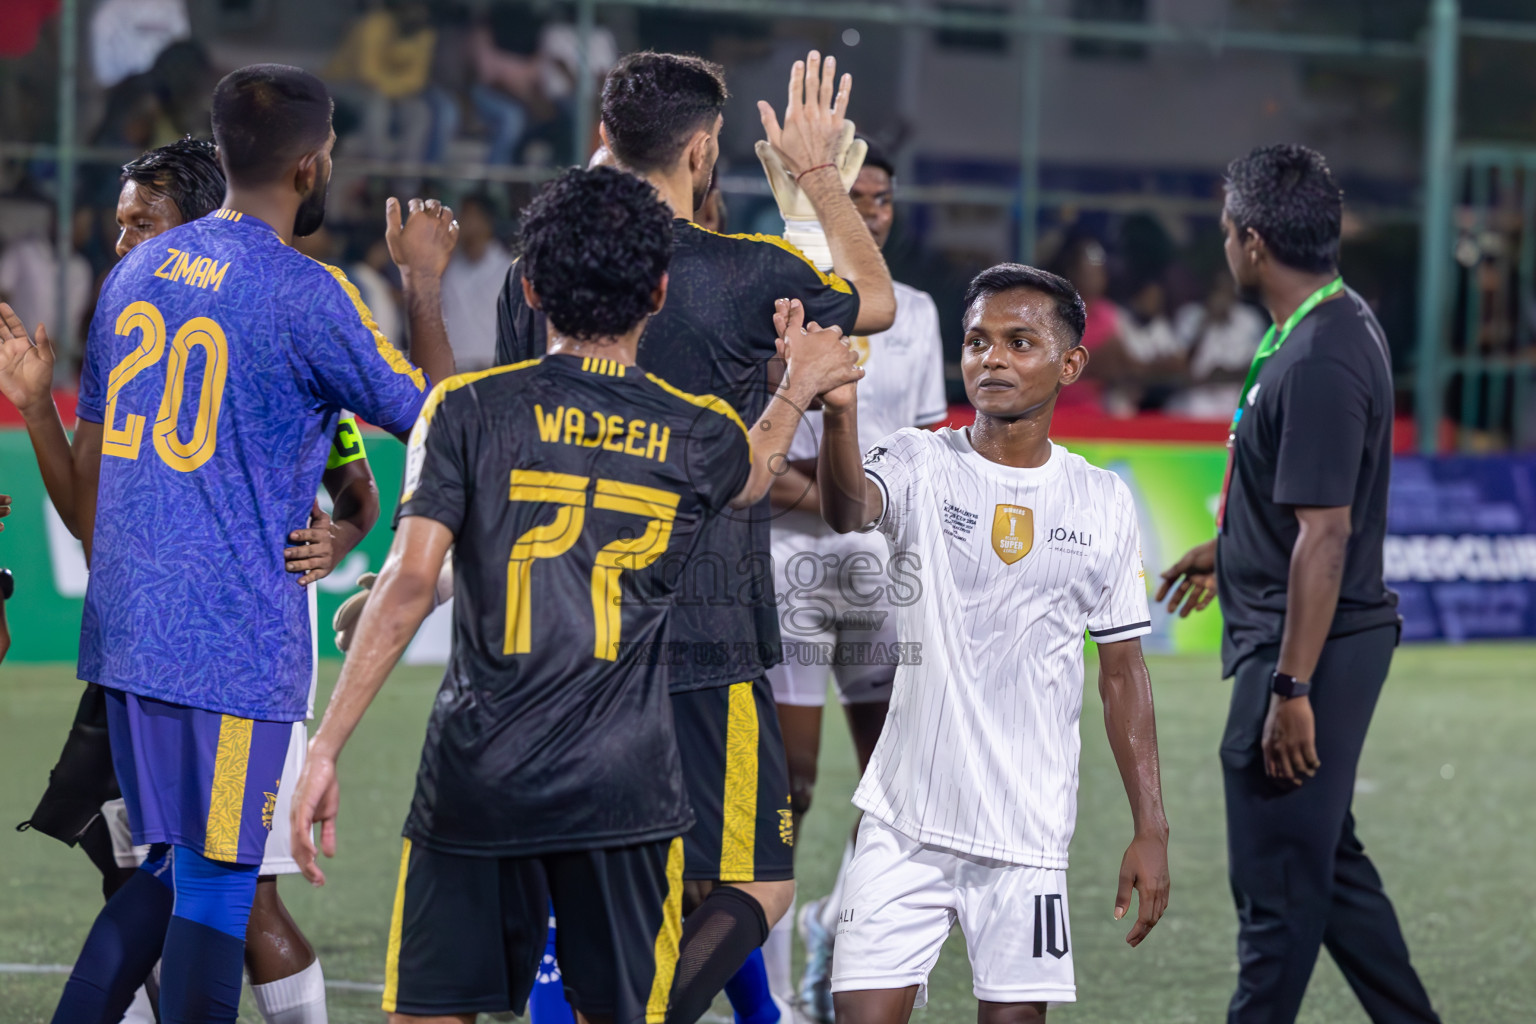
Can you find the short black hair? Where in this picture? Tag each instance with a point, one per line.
(1007, 276)
(265, 116)
(595, 247)
(186, 172)
(877, 159)
(653, 102)
(1288, 196)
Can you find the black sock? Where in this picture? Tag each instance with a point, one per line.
(717, 939)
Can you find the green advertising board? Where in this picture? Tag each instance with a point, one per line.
(1175, 487)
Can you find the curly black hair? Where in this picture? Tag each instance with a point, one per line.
(1007, 276)
(595, 246)
(653, 103)
(186, 172)
(1288, 196)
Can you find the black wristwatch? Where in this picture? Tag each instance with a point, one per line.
(1287, 687)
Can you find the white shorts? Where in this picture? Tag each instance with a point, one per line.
(901, 898)
(836, 615)
(278, 857)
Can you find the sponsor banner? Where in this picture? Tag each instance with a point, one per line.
(1461, 547)
(1175, 487)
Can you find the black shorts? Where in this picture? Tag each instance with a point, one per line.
(468, 933)
(83, 779)
(733, 766)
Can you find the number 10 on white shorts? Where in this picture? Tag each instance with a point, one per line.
(902, 897)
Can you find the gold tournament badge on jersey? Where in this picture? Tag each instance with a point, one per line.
(1013, 532)
(860, 346)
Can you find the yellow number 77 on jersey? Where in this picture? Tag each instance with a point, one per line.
(556, 538)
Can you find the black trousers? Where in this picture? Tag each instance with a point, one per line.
(1299, 875)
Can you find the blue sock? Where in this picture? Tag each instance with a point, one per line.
(204, 957)
(546, 1003)
(748, 992)
(122, 947)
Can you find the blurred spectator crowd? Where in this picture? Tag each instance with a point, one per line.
(418, 87)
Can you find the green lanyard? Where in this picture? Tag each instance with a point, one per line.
(1274, 339)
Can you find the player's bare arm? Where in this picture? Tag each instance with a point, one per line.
(849, 499)
(1192, 579)
(401, 599)
(1317, 571)
(813, 137)
(421, 247)
(69, 469)
(1126, 690)
(817, 360)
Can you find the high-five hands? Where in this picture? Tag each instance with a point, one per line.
(820, 355)
(26, 369)
(425, 241)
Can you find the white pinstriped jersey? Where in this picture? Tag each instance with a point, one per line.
(903, 386)
(980, 752)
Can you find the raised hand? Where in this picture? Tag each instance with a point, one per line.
(26, 368)
(815, 123)
(424, 243)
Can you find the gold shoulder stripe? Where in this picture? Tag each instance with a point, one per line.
(832, 281)
(460, 380)
(710, 402)
(392, 356)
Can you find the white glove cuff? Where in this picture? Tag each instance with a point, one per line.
(443, 593)
(808, 236)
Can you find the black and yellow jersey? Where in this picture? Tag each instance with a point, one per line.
(715, 335)
(575, 488)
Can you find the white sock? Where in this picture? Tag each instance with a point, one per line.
(834, 904)
(776, 957)
(139, 1011)
(296, 999)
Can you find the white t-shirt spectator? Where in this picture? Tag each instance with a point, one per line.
(1215, 346)
(29, 281)
(470, 290)
(127, 35)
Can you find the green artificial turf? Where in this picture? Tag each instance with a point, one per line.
(1455, 852)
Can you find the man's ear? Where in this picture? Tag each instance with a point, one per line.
(307, 173)
(1254, 246)
(698, 151)
(529, 295)
(658, 295)
(1073, 362)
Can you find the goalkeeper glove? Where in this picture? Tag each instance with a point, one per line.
(345, 621)
(802, 229)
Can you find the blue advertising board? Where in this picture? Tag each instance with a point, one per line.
(1461, 546)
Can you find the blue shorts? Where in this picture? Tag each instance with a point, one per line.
(196, 778)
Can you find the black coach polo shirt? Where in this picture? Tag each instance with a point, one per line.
(1316, 430)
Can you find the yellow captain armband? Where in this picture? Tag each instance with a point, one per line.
(347, 445)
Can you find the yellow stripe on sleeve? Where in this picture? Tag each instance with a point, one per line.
(396, 926)
(667, 937)
(738, 837)
(392, 356)
(226, 797)
(832, 281)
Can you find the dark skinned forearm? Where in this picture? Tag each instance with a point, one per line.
(855, 256)
(354, 506)
(1312, 594)
(55, 460)
(849, 499)
(1131, 725)
(795, 488)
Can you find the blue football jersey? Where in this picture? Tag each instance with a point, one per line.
(218, 363)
